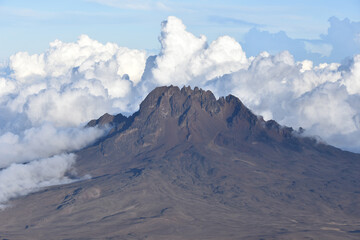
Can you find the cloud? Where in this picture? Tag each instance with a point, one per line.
(21, 179)
(340, 41)
(44, 141)
(323, 49)
(323, 99)
(47, 98)
(352, 75)
(342, 35)
(185, 58)
(235, 21)
(134, 4)
(84, 78)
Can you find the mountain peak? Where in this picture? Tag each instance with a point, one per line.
(107, 119)
(169, 112)
(180, 100)
(155, 97)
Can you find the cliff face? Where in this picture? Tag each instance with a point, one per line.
(190, 166)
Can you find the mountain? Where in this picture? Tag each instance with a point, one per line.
(190, 166)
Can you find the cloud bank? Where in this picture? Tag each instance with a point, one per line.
(47, 98)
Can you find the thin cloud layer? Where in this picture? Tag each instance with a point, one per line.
(134, 4)
(47, 98)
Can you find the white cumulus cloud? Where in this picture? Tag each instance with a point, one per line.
(185, 58)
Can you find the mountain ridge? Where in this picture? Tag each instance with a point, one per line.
(230, 105)
(190, 166)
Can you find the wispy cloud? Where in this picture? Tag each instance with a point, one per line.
(235, 21)
(134, 4)
(26, 13)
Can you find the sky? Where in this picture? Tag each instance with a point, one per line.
(64, 63)
(31, 25)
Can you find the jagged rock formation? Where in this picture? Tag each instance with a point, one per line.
(190, 166)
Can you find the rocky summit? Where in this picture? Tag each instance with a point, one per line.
(190, 166)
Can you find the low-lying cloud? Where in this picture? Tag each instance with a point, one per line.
(21, 179)
(47, 98)
(43, 141)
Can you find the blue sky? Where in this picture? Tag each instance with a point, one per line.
(31, 25)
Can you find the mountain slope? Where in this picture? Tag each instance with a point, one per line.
(190, 166)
